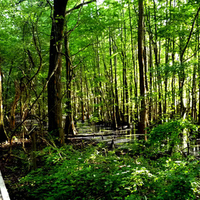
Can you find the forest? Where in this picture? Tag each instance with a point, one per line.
(127, 67)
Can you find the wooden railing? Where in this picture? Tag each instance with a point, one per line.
(3, 191)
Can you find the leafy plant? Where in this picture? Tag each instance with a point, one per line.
(91, 174)
(168, 135)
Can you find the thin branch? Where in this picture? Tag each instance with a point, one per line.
(48, 2)
(73, 67)
(39, 53)
(77, 23)
(30, 57)
(83, 49)
(78, 6)
(191, 55)
(31, 107)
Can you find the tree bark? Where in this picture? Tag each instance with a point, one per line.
(69, 121)
(142, 123)
(134, 68)
(55, 69)
(3, 136)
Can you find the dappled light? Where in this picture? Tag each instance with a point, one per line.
(100, 99)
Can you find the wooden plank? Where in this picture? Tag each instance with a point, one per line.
(3, 191)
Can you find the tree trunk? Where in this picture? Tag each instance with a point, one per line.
(198, 54)
(142, 123)
(134, 69)
(69, 121)
(55, 69)
(114, 120)
(116, 88)
(157, 62)
(150, 109)
(194, 110)
(3, 136)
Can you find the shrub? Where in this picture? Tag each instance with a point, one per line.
(168, 135)
(91, 174)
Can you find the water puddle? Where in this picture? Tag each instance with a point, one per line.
(122, 136)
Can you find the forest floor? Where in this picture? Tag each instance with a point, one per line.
(16, 164)
(12, 167)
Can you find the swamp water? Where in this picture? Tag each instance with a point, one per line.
(122, 136)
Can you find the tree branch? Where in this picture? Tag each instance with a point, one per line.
(20, 1)
(182, 53)
(78, 6)
(83, 49)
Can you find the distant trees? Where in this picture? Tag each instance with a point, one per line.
(122, 63)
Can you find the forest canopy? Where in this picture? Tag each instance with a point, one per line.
(100, 99)
(126, 62)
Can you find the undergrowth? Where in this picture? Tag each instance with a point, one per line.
(125, 173)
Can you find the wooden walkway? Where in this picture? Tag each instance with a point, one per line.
(3, 191)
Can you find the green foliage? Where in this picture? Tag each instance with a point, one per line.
(94, 119)
(96, 173)
(171, 133)
(178, 180)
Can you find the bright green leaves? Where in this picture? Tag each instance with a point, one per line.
(96, 173)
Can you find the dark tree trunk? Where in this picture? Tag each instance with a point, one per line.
(3, 136)
(157, 62)
(134, 70)
(55, 69)
(198, 54)
(194, 110)
(113, 113)
(116, 88)
(142, 123)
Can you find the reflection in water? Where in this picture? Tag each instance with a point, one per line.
(190, 147)
(107, 134)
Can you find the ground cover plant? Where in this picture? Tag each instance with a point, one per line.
(96, 173)
(91, 170)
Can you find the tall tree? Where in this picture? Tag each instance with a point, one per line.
(55, 69)
(3, 136)
(142, 122)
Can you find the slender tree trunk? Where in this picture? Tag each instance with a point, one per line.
(82, 97)
(150, 69)
(166, 76)
(157, 60)
(69, 121)
(142, 123)
(136, 113)
(113, 113)
(3, 136)
(116, 88)
(173, 81)
(198, 54)
(145, 75)
(87, 96)
(150, 83)
(194, 110)
(14, 105)
(124, 75)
